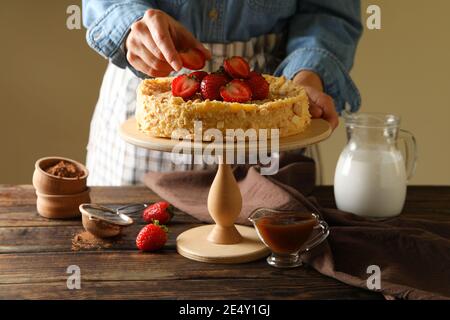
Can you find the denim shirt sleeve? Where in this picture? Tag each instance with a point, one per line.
(323, 35)
(108, 23)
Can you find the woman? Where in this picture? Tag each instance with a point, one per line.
(312, 42)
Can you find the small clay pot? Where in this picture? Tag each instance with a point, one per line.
(61, 206)
(49, 184)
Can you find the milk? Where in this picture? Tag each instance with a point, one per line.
(370, 182)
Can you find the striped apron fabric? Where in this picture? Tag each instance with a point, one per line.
(110, 160)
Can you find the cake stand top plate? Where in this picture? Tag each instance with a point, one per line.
(316, 132)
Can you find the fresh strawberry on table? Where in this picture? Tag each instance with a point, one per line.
(161, 211)
(185, 86)
(152, 237)
(211, 84)
(193, 59)
(258, 85)
(237, 67)
(236, 91)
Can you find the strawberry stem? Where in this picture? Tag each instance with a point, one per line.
(156, 223)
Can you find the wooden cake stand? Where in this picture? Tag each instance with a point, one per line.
(222, 242)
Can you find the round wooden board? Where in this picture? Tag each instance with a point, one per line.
(317, 131)
(193, 244)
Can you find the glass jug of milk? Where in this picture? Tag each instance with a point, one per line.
(372, 171)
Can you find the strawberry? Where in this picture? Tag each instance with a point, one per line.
(221, 70)
(152, 237)
(161, 211)
(198, 75)
(236, 67)
(210, 86)
(236, 91)
(185, 86)
(258, 85)
(193, 59)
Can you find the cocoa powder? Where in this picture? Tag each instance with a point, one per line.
(65, 169)
(86, 240)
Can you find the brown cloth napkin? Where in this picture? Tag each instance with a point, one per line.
(413, 254)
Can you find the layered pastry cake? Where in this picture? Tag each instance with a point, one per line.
(231, 98)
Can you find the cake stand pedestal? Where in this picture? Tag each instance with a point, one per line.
(222, 242)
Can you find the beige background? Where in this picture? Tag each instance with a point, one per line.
(50, 78)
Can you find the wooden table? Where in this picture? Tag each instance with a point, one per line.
(35, 253)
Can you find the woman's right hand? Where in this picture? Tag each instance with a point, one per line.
(153, 43)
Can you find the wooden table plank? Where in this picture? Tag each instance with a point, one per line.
(59, 238)
(139, 266)
(282, 288)
(16, 195)
(421, 201)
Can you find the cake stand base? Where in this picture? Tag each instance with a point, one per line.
(193, 244)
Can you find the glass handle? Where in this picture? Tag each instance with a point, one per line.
(410, 152)
(318, 238)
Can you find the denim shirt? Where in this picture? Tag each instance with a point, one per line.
(321, 34)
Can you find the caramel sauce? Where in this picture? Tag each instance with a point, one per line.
(286, 235)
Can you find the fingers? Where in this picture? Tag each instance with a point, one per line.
(143, 67)
(333, 120)
(155, 38)
(322, 106)
(329, 110)
(142, 53)
(205, 51)
(142, 33)
(189, 41)
(137, 63)
(316, 112)
(152, 61)
(159, 29)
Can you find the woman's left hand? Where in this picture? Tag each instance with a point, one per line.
(321, 105)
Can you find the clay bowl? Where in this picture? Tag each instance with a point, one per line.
(61, 206)
(49, 184)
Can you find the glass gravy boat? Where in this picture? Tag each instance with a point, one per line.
(288, 234)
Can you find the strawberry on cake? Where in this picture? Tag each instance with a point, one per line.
(231, 98)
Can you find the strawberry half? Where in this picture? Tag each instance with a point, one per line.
(211, 84)
(221, 70)
(185, 86)
(199, 75)
(161, 211)
(192, 58)
(152, 237)
(236, 67)
(236, 91)
(258, 85)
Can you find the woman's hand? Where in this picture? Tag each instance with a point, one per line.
(153, 43)
(321, 105)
